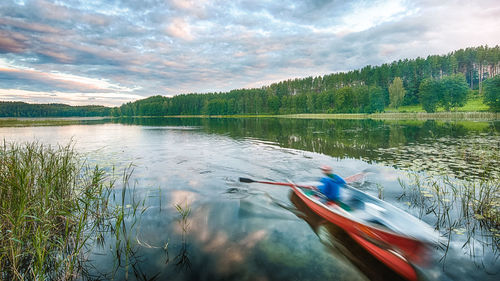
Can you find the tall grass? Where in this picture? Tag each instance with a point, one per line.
(50, 206)
(461, 208)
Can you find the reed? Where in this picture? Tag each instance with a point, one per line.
(51, 206)
(460, 207)
(184, 213)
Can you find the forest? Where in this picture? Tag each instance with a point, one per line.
(438, 81)
(22, 109)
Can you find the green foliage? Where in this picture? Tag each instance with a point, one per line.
(216, 107)
(21, 109)
(50, 208)
(376, 100)
(345, 92)
(453, 91)
(396, 92)
(449, 92)
(429, 90)
(492, 93)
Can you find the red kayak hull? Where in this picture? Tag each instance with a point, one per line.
(392, 249)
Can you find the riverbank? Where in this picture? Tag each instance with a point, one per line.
(442, 116)
(445, 116)
(452, 116)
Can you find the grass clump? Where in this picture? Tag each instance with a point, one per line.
(50, 206)
(468, 208)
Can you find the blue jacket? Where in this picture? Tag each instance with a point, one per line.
(330, 186)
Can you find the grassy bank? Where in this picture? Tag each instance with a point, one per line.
(474, 104)
(443, 116)
(50, 207)
(480, 116)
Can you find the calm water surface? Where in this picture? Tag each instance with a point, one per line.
(236, 231)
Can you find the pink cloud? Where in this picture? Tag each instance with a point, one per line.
(11, 42)
(60, 80)
(179, 28)
(59, 56)
(38, 27)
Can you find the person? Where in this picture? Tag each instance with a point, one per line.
(330, 184)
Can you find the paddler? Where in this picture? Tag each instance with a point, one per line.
(330, 184)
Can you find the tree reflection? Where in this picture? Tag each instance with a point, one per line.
(410, 144)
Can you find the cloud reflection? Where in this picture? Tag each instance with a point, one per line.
(227, 252)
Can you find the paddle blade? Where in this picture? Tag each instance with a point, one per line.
(247, 180)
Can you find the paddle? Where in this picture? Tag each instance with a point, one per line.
(247, 180)
(349, 179)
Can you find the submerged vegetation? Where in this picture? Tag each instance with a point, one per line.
(465, 206)
(468, 158)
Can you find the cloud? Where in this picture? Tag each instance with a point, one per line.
(179, 28)
(106, 99)
(22, 25)
(12, 42)
(57, 80)
(171, 47)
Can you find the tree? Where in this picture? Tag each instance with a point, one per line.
(274, 103)
(396, 92)
(492, 93)
(454, 91)
(343, 99)
(376, 99)
(217, 107)
(429, 92)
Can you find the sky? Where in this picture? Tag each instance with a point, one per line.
(109, 52)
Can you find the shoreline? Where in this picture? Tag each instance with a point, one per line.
(451, 116)
(442, 116)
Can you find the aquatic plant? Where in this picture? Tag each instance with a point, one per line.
(52, 205)
(184, 213)
(467, 209)
(471, 158)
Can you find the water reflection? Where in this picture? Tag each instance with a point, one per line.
(241, 232)
(464, 149)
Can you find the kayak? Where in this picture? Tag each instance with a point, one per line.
(341, 245)
(393, 236)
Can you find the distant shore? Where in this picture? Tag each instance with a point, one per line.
(479, 116)
(487, 116)
(443, 116)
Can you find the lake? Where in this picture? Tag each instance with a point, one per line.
(191, 219)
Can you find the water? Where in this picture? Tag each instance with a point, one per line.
(237, 231)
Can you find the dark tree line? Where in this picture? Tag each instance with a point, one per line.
(21, 109)
(438, 80)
